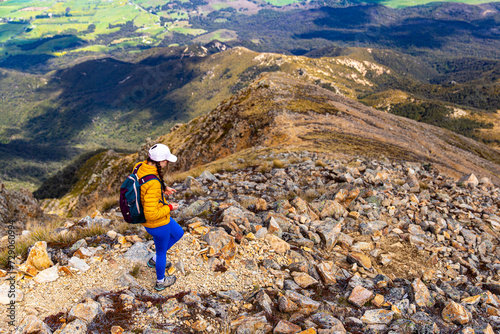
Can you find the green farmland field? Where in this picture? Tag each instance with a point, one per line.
(9, 30)
(407, 3)
(143, 23)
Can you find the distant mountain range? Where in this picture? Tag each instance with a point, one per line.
(66, 94)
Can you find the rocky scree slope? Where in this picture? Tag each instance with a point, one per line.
(368, 246)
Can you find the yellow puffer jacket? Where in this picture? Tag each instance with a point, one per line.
(157, 213)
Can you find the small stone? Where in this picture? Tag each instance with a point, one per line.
(309, 331)
(469, 180)
(228, 252)
(139, 252)
(304, 280)
(79, 264)
(485, 329)
(32, 324)
(117, 330)
(133, 238)
(286, 327)
(253, 324)
(329, 208)
(490, 310)
(47, 275)
(83, 253)
(360, 296)
(306, 305)
(378, 300)
(325, 320)
(378, 316)
(261, 233)
(279, 246)
(230, 294)
(38, 256)
(467, 330)
(264, 301)
(360, 259)
(274, 227)
(353, 214)
(372, 227)
(422, 295)
(200, 325)
(75, 327)
(385, 259)
(428, 275)
(455, 313)
(326, 274)
(112, 234)
(27, 269)
(217, 238)
(329, 232)
(286, 305)
(78, 244)
(85, 311)
(473, 300)
(206, 175)
(489, 298)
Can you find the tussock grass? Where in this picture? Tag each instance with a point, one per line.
(277, 163)
(248, 201)
(308, 195)
(136, 269)
(194, 191)
(264, 168)
(320, 163)
(293, 160)
(124, 227)
(108, 203)
(47, 233)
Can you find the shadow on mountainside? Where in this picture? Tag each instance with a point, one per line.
(113, 90)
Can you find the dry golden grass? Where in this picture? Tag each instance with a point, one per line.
(320, 163)
(277, 163)
(248, 201)
(108, 203)
(134, 272)
(47, 233)
(265, 167)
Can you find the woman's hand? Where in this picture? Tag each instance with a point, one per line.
(174, 206)
(169, 191)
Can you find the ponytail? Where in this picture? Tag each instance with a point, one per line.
(160, 173)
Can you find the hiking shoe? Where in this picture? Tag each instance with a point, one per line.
(169, 280)
(152, 264)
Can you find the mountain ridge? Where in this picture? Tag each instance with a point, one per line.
(280, 113)
(283, 94)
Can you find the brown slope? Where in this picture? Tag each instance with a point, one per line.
(281, 112)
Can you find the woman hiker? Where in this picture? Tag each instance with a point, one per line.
(165, 231)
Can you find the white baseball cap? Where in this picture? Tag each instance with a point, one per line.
(160, 152)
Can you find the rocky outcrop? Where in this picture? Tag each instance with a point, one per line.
(17, 205)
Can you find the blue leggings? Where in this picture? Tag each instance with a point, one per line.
(164, 237)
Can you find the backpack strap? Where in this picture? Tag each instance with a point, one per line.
(147, 178)
(150, 177)
(137, 168)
